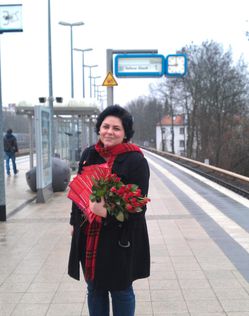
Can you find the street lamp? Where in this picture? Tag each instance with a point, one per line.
(101, 97)
(50, 81)
(83, 66)
(71, 40)
(94, 85)
(90, 69)
(98, 92)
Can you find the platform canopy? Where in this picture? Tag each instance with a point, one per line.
(71, 107)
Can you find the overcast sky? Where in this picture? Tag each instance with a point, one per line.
(111, 24)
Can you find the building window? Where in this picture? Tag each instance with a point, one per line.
(181, 130)
(181, 144)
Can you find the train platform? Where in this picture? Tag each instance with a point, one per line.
(199, 250)
(18, 193)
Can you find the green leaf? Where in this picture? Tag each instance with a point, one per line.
(92, 198)
(120, 217)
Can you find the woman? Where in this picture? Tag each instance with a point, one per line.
(113, 254)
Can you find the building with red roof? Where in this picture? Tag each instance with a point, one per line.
(171, 134)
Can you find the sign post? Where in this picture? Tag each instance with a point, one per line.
(109, 69)
(2, 182)
(139, 63)
(10, 21)
(109, 65)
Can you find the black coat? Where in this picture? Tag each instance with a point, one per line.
(10, 143)
(117, 266)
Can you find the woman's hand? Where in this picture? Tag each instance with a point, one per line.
(98, 208)
(71, 230)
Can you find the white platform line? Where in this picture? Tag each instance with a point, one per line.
(231, 194)
(229, 226)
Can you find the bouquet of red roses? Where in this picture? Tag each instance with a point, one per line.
(120, 199)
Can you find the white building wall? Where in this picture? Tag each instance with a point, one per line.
(158, 138)
(180, 140)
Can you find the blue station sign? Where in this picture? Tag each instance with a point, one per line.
(139, 65)
(11, 18)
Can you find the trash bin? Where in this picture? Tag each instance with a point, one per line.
(61, 175)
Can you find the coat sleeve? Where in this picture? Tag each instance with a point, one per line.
(139, 174)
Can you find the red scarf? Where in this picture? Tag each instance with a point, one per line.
(93, 229)
(111, 152)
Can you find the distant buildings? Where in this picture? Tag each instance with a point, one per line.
(171, 134)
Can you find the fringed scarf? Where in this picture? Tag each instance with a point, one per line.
(111, 152)
(93, 229)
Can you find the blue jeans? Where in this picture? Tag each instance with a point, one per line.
(123, 302)
(10, 156)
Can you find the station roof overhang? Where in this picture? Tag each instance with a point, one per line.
(71, 108)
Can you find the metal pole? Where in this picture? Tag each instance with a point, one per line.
(50, 80)
(71, 44)
(31, 142)
(71, 40)
(90, 131)
(109, 68)
(94, 84)
(90, 81)
(94, 87)
(84, 132)
(90, 76)
(134, 51)
(83, 74)
(2, 182)
(83, 66)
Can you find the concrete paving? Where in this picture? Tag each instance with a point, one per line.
(190, 275)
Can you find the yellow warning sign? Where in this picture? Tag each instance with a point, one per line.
(109, 80)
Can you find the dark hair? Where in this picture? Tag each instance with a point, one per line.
(122, 114)
(9, 131)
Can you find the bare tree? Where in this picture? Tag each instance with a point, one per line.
(147, 112)
(213, 93)
(169, 92)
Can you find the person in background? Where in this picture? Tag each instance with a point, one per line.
(117, 253)
(10, 149)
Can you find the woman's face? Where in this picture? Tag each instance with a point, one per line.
(111, 131)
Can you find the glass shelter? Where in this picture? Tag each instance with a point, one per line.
(73, 129)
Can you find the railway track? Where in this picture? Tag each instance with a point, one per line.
(228, 179)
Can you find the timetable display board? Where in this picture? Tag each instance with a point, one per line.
(43, 147)
(11, 18)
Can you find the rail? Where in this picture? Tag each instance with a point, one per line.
(233, 181)
(22, 152)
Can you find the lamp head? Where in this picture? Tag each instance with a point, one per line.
(71, 24)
